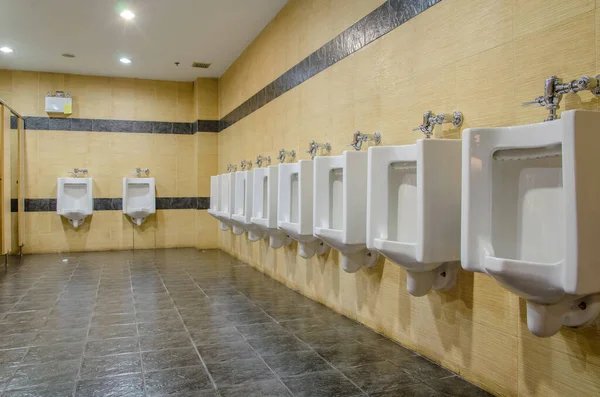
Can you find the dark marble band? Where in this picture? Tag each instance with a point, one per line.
(101, 125)
(116, 204)
(382, 20)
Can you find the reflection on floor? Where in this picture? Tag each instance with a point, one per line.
(184, 322)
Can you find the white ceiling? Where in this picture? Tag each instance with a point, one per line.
(163, 32)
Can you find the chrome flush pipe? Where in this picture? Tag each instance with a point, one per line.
(358, 138)
(283, 154)
(554, 89)
(314, 147)
(246, 164)
(430, 120)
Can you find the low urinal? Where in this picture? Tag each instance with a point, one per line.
(295, 202)
(413, 210)
(242, 210)
(226, 200)
(264, 205)
(74, 199)
(139, 198)
(340, 206)
(530, 215)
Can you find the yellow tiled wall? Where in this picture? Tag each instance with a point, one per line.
(481, 57)
(173, 160)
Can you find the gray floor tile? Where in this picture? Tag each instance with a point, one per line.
(170, 358)
(305, 325)
(109, 347)
(297, 363)
(103, 320)
(44, 375)
(58, 390)
(222, 352)
(119, 386)
(416, 390)
(169, 340)
(13, 356)
(62, 336)
(112, 331)
(277, 345)
(153, 328)
(216, 335)
(350, 355)
(178, 380)
(323, 338)
(379, 377)
(322, 384)
(102, 367)
(238, 372)
(264, 330)
(18, 340)
(57, 352)
(265, 388)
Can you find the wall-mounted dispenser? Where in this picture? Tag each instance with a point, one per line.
(59, 102)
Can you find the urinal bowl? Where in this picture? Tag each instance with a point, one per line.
(139, 198)
(340, 202)
(413, 210)
(226, 201)
(75, 218)
(241, 216)
(295, 207)
(264, 205)
(74, 199)
(214, 200)
(530, 216)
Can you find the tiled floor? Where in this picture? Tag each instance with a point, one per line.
(189, 323)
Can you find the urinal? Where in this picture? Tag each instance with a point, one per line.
(242, 210)
(139, 198)
(226, 200)
(74, 199)
(413, 210)
(214, 196)
(295, 207)
(340, 206)
(264, 205)
(530, 215)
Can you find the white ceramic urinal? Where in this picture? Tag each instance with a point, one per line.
(340, 207)
(413, 210)
(264, 205)
(74, 199)
(530, 215)
(242, 210)
(226, 200)
(214, 196)
(295, 202)
(139, 198)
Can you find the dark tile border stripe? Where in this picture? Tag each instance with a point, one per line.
(116, 204)
(380, 21)
(131, 126)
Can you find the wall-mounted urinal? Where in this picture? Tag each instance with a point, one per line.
(530, 215)
(340, 206)
(214, 196)
(264, 205)
(413, 210)
(139, 198)
(226, 200)
(295, 202)
(242, 210)
(74, 199)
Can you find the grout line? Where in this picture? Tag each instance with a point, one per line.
(137, 331)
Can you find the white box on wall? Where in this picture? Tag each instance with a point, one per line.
(59, 105)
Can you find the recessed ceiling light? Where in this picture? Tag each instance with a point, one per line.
(125, 60)
(6, 50)
(67, 55)
(128, 15)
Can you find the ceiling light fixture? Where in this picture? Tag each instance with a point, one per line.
(67, 55)
(125, 60)
(6, 50)
(127, 15)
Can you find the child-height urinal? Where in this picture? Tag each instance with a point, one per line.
(340, 206)
(226, 200)
(413, 210)
(264, 205)
(530, 215)
(242, 210)
(295, 202)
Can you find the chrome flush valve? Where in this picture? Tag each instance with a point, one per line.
(358, 138)
(283, 154)
(314, 147)
(260, 159)
(430, 120)
(554, 90)
(246, 164)
(231, 167)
